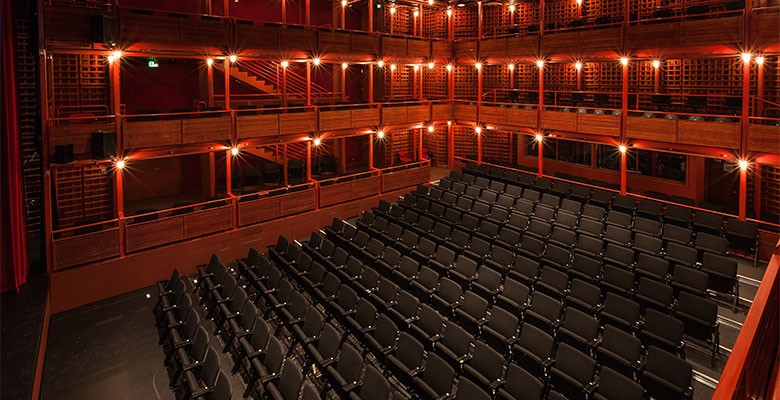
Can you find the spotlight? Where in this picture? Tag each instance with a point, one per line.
(511, 8)
(624, 60)
(449, 123)
(393, 67)
(449, 12)
(430, 2)
(478, 130)
(416, 67)
(392, 10)
(540, 63)
(478, 65)
(344, 65)
(511, 67)
(578, 66)
(431, 128)
(344, 3)
(380, 63)
(111, 59)
(760, 60)
(316, 61)
(380, 134)
(209, 61)
(234, 151)
(622, 148)
(416, 13)
(233, 58)
(317, 142)
(746, 57)
(539, 137)
(284, 64)
(430, 65)
(656, 64)
(449, 67)
(120, 164)
(579, 2)
(743, 164)
(117, 54)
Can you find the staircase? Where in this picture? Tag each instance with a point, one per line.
(252, 80)
(266, 77)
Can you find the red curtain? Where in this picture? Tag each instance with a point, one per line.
(13, 229)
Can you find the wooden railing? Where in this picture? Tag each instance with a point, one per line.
(271, 204)
(85, 244)
(751, 369)
(401, 176)
(347, 188)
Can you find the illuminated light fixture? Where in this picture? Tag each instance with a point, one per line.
(416, 67)
(743, 164)
(209, 61)
(511, 67)
(380, 134)
(430, 2)
(416, 13)
(478, 65)
(233, 58)
(120, 164)
(449, 123)
(622, 148)
(316, 61)
(393, 67)
(511, 8)
(430, 65)
(344, 3)
(344, 65)
(449, 67)
(317, 142)
(392, 10)
(539, 137)
(449, 12)
(624, 60)
(760, 60)
(380, 63)
(234, 151)
(431, 128)
(746, 57)
(656, 64)
(111, 58)
(540, 63)
(284, 64)
(478, 130)
(461, 4)
(117, 54)
(579, 2)
(578, 66)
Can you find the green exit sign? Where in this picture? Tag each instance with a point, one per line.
(151, 62)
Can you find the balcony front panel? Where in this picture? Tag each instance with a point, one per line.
(334, 42)
(465, 51)
(68, 25)
(493, 115)
(143, 235)
(560, 121)
(394, 47)
(765, 30)
(658, 129)
(186, 30)
(441, 49)
(250, 126)
(364, 43)
(582, 42)
(441, 112)
(707, 133)
(85, 248)
(298, 202)
(418, 48)
(465, 112)
(599, 124)
(521, 117)
(764, 138)
(524, 46)
(725, 32)
(341, 192)
(293, 39)
(493, 48)
(202, 130)
(365, 117)
(301, 122)
(419, 113)
(209, 221)
(405, 178)
(335, 120)
(142, 134)
(394, 115)
(254, 211)
(79, 135)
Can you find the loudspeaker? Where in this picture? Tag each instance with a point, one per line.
(102, 29)
(103, 145)
(63, 153)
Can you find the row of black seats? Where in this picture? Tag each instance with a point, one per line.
(741, 235)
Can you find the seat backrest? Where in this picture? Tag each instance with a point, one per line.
(386, 331)
(457, 339)
(663, 325)
(210, 370)
(375, 386)
(428, 278)
(722, 265)
(503, 322)
(488, 278)
(466, 266)
(309, 392)
(430, 320)
(698, 307)
(438, 375)
(388, 291)
(674, 370)
(274, 356)
(521, 384)
(474, 305)
(621, 342)
(488, 362)
(536, 341)
(290, 380)
(350, 364)
(584, 325)
(410, 351)
(312, 323)
(407, 304)
(546, 306)
(575, 364)
(449, 290)
(613, 385)
(621, 307)
(468, 390)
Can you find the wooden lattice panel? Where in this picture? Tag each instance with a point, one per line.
(671, 76)
(641, 76)
(496, 147)
(401, 21)
(612, 9)
(83, 194)
(772, 72)
(495, 19)
(526, 77)
(561, 77)
(399, 83)
(435, 83)
(591, 72)
(712, 76)
(771, 190)
(465, 81)
(79, 80)
(465, 21)
(494, 76)
(465, 142)
(560, 12)
(436, 144)
(402, 140)
(434, 23)
(611, 77)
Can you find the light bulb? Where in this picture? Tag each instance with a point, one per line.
(431, 128)
(120, 164)
(380, 134)
(380, 63)
(344, 65)
(622, 148)
(511, 67)
(317, 142)
(743, 164)
(449, 67)
(316, 61)
(430, 65)
(539, 137)
(478, 130)
(478, 65)
(511, 8)
(540, 63)
(393, 67)
(234, 151)
(624, 60)
(760, 60)
(578, 66)
(656, 64)
(209, 61)
(285, 64)
(746, 57)
(233, 58)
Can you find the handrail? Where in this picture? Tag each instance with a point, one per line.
(177, 114)
(224, 202)
(82, 109)
(276, 191)
(411, 165)
(82, 120)
(358, 175)
(744, 375)
(77, 227)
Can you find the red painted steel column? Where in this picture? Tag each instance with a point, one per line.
(119, 204)
(210, 82)
(479, 147)
(541, 96)
(657, 79)
(759, 110)
(343, 83)
(422, 78)
(623, 169)
(212, 175)
(370, 151)
(308, 160)
(226, 65)
(284, 12)
(343, 16)
(757, 190)
(370, 15)
(284, 86)
(307, 13)
(479, 88)
(742, 193)
(743, 148)
(308, 83)
(370, 83)
(540, 155)
(285, 164)
(450, 146)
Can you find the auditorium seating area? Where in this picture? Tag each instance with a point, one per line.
(489, 284)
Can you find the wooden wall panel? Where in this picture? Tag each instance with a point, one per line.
(338, 42)
(365, 187)
(199, 130)
(764, 138)
(248, 126)
(333, 120)
(208, 221)
(521, 117)
(364, 43)
(493, 48)
(153, 233)
(62, 24)
(441, 49)
(335, 193)
(601, 41)
(441, 112)
(80, 136)
(465, 51)
(608, 125)
(297, 122)
(765, 30)
(250, 35)
(85, 248)
(493, 115)
(710, 32)
(562, 121)
(418, 113)
(717, 134)
(418, 48)
(205, 30)
(139, 134)
(660, 129)
(134, 27)
(394, 47)
(465, 112)
(295, 39)
(652, 36)
(250, 212)
(524, 46)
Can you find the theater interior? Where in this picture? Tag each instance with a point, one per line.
(390, 199)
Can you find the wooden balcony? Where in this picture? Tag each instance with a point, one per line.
(274, 38)
(183, 30)
(402, 47)
(441, 112)
(86, 248)
(601, 41)
(344, 189)
(144, 235)
(393, 114)
(339, 42)
(170, 132)
(705, 33)
(78, 134)
(465, 112)
(764, 138)
(405, 176)
(270, 207)
(272, 125)
(338, 118)
(594, 124)
(503, 115)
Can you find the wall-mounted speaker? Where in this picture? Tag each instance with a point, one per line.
(63, 153)
(102, 29)
(103, 145)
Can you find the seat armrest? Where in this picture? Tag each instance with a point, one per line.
(590, 388)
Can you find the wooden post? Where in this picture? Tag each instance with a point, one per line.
(623, 169)
(284, 86)
(343, 83)
(759, 110)
(308, 160)
(370, 15)
(450, 146)
(479, 148)
(742, 193)
(307, 13)
(308, 83)
(212, 175)
(285, 164)
(284, 12)
(226, 64)
(210, 83)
